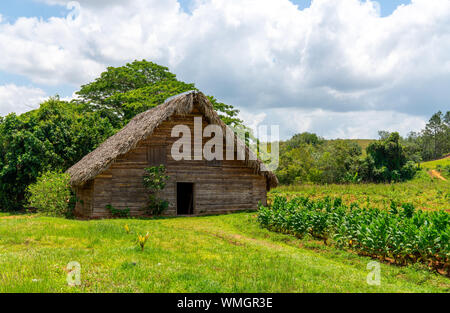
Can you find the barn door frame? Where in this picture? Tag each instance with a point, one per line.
(193, 196)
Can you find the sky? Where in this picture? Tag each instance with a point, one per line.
(341, 69)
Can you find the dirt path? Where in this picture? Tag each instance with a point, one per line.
(436, 174)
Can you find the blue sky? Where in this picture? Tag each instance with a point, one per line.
(339, 70)
(387, 6)
(13, 9)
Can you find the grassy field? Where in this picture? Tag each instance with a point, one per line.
(363, 143)
(431, 165)
(424, 192)
(229, 253)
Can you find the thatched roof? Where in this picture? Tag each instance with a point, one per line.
(142, 126)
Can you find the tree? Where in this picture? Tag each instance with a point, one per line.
(122, 92)
(337, 159)
(446, 126)
(435, 131)
(122, 79)
(22, 158)
(388, 160)
(302, 139)
(53, 137)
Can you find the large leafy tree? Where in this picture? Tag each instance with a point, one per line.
(308, 158)
(55, 136)
(388, 160)
(122, 92)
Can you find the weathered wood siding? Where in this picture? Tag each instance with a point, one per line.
(84, 194)
(221, 187)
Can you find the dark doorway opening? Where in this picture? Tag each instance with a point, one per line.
(185, 198)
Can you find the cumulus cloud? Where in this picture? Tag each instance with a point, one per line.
(337, 57)
(19, 99)
(329, 124)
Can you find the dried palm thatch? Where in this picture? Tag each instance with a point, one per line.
(143, 125)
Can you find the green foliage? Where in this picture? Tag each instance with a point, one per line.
(436, 135)
(446, 170)
(309, 158)
(51, 194)
(142, 240)
(432, 142)
(55, 136)
(154, 180)
(423, 191)
(405, 236)
(386, 161)
(138, 86)
(124, 213)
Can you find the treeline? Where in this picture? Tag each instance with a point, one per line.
(59, 133)
(308, 158)
(431, 143)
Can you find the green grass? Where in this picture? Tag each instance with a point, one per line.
(228, 253)
(424, 192)
(431, 165)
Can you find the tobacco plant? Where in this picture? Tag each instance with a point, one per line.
(400, 235)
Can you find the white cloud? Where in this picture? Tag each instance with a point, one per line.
(328, 124)
(19, 99)
(338, 57)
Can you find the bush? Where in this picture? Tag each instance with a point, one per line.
(156, 206)
(51, 194)
(155, 180)
(408, 170)
(118, 212)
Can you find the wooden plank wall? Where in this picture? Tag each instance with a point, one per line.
(217, 189)
(83, 206)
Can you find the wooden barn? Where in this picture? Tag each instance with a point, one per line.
(113, 173)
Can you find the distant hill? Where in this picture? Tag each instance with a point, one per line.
(433, 164)
(363, 143)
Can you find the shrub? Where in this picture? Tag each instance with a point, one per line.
(51, 194)
(156, 206)
(155, 180)
(118, 212)
(408, 170)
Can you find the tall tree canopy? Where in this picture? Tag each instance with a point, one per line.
(55, 136)
(437, 134)
(388, 160)
(122, 92)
